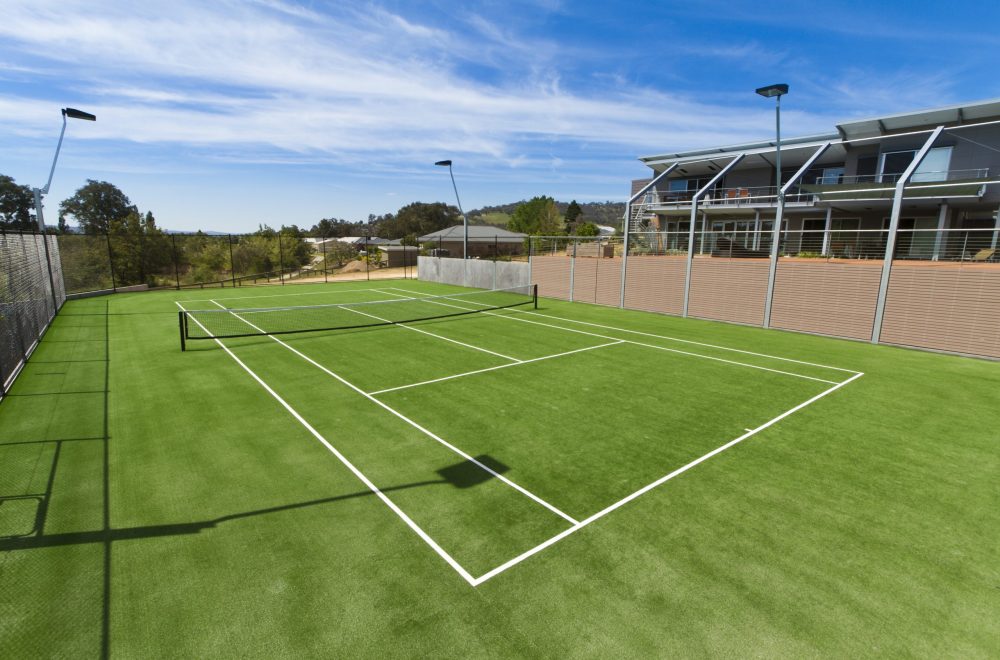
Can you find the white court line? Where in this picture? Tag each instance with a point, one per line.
(645, 489)
(412, 423)
(425, 332)
(667, 337)
(502, 366)
(637, 343)
(357, 473)
(280, 295)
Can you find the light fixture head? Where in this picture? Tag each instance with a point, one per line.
(73, 113)
(443, 163)
(773, 90)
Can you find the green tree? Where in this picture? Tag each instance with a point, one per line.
(588, 229)
(573, 212)
(17, 204)
(97, 205)
(538, 216)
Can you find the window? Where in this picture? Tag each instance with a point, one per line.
(892, 163)
(934, 166)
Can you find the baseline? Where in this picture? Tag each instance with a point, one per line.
(277, 295)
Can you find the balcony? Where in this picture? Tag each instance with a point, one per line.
(949, 183)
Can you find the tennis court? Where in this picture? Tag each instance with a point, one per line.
(465, 390)
(437, 458)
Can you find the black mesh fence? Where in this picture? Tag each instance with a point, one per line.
(31, 291)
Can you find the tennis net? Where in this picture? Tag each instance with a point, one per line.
(226, 323)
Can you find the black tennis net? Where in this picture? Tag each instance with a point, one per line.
(226, 323)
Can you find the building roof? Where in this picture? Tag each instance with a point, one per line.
(477, 233)
(846, 131)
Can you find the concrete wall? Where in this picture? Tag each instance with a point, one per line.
(475, 273)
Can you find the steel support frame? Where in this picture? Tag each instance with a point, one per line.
(694, 219)
(628, 222)
(890, 243)
(779, 213)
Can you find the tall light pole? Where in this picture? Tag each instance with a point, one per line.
(38, 192)
(72, 113)
(465, 222)
(776, 91)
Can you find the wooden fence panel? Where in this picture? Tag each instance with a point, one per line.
(829, 297)
(947, 307)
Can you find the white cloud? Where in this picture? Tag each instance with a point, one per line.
(274, 76)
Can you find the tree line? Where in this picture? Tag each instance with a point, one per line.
(116, 243)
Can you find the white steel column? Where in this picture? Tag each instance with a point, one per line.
(756, 230)
(628, 223)
(826, 231)
(939, 237)
(694, 220)
(890, 243)
(996, 228)
(776, 230)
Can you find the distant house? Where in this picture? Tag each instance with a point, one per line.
(359, 242)
(484, 241)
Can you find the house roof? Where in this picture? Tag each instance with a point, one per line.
(477, 233)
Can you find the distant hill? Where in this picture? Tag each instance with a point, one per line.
(601, 213)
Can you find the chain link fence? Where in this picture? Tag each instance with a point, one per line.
(31, 292)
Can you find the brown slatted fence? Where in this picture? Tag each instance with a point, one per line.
(728, 289)
(551, 274)
(830, 297)
(947, 307)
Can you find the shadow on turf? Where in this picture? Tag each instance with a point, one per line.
(465, 474)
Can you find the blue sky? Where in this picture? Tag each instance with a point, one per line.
(223, 115)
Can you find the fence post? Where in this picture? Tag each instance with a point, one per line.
(52, 282)
(177, 270)
(281, 262)
(111, 262)
(368, 261)
(232, 262)
(326, 266)
(890, 243)
(572, 269)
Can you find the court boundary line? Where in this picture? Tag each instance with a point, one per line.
(275, 295)
(524, 491)
(667, 337)
(424, 536)
(637, 343)
(577, 525)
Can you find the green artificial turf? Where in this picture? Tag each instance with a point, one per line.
(159, 503)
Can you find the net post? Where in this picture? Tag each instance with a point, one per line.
(534, 295)
(180, 322)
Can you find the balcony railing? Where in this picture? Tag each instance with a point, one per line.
(919, 177)
(965, 182)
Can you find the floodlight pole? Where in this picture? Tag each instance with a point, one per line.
(39, 192)
(465, 221)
